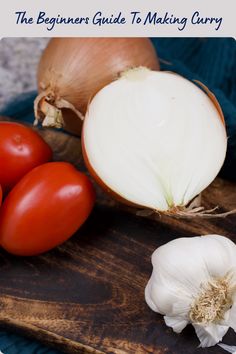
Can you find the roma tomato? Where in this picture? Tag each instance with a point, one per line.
(45, 208)
(21, 149)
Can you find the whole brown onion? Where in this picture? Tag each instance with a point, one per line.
(72, 70)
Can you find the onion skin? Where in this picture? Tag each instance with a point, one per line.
(171, 212)
(73, 70)
(213, 99)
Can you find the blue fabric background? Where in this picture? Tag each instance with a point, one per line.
(213, 62)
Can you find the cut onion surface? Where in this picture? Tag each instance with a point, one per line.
(154, 139)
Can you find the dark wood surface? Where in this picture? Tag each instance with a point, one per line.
(87, 296)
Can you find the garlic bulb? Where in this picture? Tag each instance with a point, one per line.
(194, 281)
(154, 140)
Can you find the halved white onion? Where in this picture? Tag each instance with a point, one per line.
(154, 138)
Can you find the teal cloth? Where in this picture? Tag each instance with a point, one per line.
(14, 344)
(211, 61)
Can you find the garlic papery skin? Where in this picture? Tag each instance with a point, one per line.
(194, 281)
(154, 139)
(228, 348)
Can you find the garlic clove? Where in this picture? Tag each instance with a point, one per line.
(172, 277)
(148, 298)
(176, 323)
(167, 297)
(210, 335)
(219, 257)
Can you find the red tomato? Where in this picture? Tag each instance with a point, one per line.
(0, 195)
(21, 149)
(45, 208)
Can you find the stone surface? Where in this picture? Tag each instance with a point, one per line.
(18, 66)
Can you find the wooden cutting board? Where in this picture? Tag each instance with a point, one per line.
(87, 296)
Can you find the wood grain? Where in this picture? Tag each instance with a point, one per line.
(87, 296)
